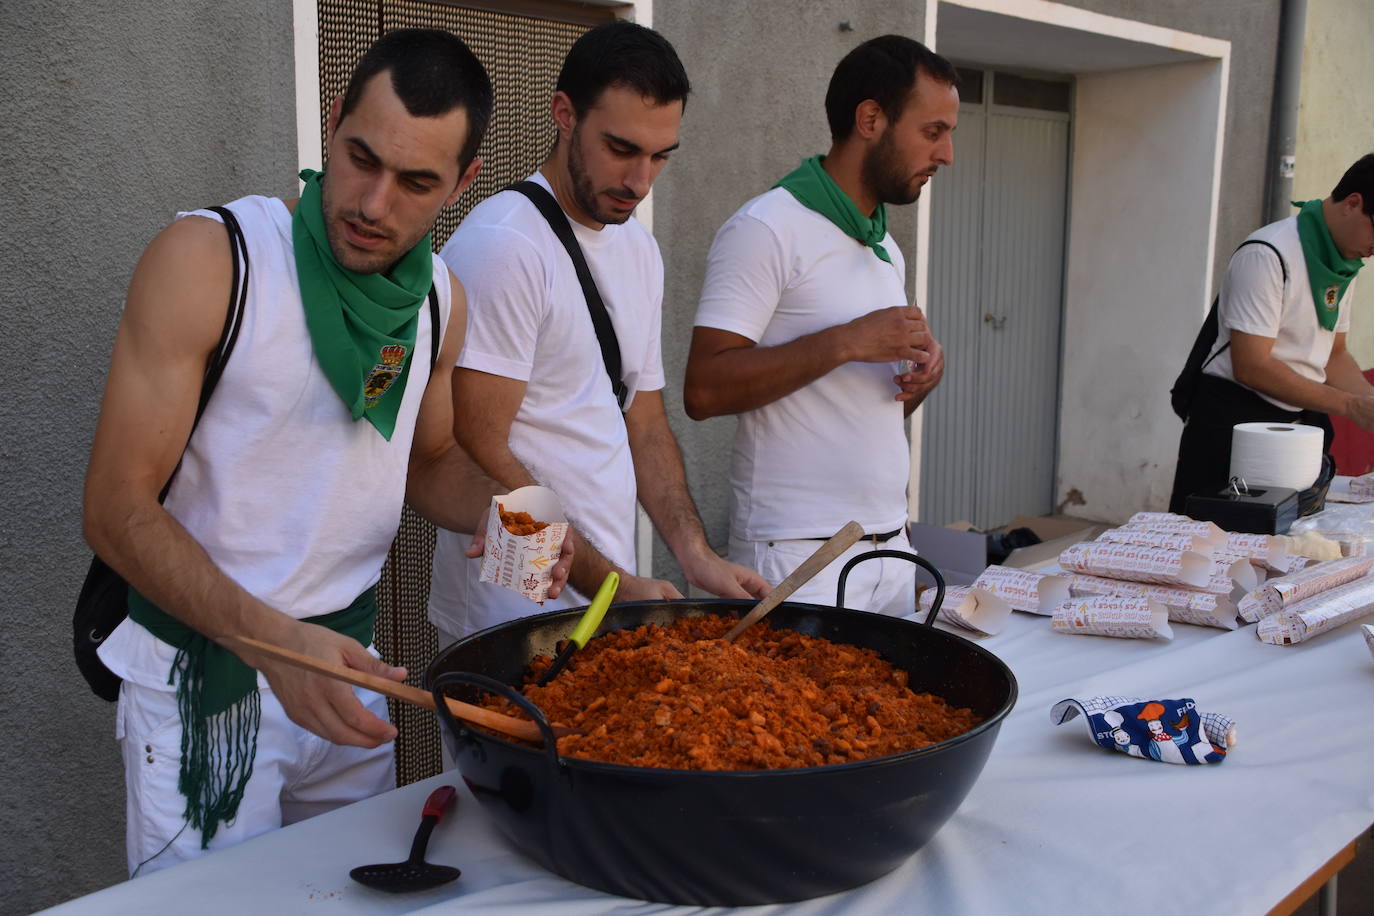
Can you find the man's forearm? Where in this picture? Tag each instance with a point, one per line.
(159, 558)
(661, 480)
(746, 378)
(1275, 379)
(450, 490)
(1343, 373)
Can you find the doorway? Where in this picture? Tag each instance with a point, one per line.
(996, 302)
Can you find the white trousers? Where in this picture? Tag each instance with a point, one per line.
(296, 775)
(886, 585)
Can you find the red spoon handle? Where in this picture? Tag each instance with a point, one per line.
(438, 801)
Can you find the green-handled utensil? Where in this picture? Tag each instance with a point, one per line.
(586, 627)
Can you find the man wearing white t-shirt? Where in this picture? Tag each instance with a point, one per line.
(1282, 317)
(533, 400)
(804, 331)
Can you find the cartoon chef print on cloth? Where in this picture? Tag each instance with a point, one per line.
(1170, 731)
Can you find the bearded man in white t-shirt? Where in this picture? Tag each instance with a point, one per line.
(804, 331)
(533, 399)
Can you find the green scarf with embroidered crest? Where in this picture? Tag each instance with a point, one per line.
(1328, 271)
(362, 326)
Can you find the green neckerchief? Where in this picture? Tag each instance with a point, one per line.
(220, 708)
(1327, 271)
(362, 326)
(810, 184)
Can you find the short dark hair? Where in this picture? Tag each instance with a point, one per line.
(622, 53)
(883, 69)
(432, 72)
(1358, 179)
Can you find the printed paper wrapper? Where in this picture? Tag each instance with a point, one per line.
(1124, 616)
(524, 563)
(1024, 590)
(969, 608)
(1233, 575)
(1286, 591)
(1316, 615)
(1169, 731)
(1165, 540)
(1178, 524)
(1263, 548)
(1295, 562)
(1185, 605)
(1137, 563)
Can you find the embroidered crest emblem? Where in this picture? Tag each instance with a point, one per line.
(383, 374)
(1331, 296)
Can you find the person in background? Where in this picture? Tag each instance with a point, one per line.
(533, 397)
(804, 331)
(288, 494)
(1280, 353)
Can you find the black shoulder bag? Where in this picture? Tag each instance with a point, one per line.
(1185, 386)
(104, 600)
(548, 207)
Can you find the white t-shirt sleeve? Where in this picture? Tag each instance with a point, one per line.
(745, 276)
(1253, 303)
(503, 276)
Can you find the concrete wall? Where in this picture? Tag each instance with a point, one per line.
(1336, 120)
(116, 116)
(1145, 141)
(759, 73)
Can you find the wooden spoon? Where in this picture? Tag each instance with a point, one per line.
(845, 538)
(523, 729)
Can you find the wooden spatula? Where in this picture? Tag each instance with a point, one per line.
(845, 538)
(516, 728)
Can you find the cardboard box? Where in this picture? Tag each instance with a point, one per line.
(1055, 531)
(956, 550)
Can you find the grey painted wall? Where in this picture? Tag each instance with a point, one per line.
(116, 116)
(759, 73)
(1252, 27)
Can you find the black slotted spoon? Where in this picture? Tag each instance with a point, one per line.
(414, 874)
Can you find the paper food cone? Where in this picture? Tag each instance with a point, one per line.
(524, 563)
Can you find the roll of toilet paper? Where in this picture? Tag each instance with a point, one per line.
(1276, 454)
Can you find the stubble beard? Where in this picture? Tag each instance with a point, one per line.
(350, 258)
(584, 192)
(884, 176)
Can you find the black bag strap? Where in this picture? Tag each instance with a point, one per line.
(435, 332)
(233, 322)
(548, 207)
(1214, 319)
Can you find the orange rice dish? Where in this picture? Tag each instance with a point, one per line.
(679, 697)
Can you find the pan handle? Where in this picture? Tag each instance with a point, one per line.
(492, 685)
(899, 554)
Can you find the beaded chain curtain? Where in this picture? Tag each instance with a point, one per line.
(523, 56)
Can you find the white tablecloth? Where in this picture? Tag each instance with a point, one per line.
(1055, 825)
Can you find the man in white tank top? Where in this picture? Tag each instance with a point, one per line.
(532, 394)
(804, 331)
(289, 490)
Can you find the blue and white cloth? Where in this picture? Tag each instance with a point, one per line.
(1170, 731)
